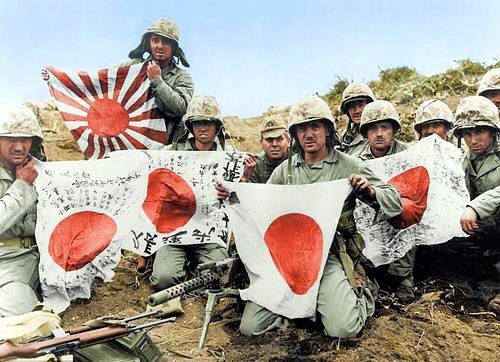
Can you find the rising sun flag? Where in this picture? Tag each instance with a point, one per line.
(109, 109)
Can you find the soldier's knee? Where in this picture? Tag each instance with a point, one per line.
(343, 328)
(163, 280)
(248, 328)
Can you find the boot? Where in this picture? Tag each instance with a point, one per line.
(405, 290)
(494, 306)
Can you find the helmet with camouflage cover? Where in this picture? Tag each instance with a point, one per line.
(476, 111)
(307, 109)
(203, 108)
(379, 111)
(489, 82)
(355, 92)
(164, 27)
(273, 126)
(20, 122)
(433, 110)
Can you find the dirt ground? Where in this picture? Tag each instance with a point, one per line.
(446, 323)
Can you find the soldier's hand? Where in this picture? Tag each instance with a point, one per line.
(45, 75)
(27, 172)
(222, 192)
(153, 70)
(249, 162)
(468, 221)
(362, 185)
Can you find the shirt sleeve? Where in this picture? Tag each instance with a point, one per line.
(173, 98)
(17, 215)
(487, 204)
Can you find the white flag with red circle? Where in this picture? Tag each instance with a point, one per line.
(431, 182)
(283, 235)
(109, 109)
(88, 211)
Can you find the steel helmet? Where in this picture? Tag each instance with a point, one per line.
(378, 111)
(20, 122)
(203, 108)
(354, 92)
(433, 110)
(309, 109)
(489, 82)
(476, 111)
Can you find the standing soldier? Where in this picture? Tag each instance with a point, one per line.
(433, 117)
(379, 125)
(489, 86)
(19, 132)
(478, 124)
(354, 99)
(172, 86)
(204, 121)
(343, 311)
(274, 141)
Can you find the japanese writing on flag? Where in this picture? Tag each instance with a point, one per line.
(109, 109)
(283, 239)
(136, 200)
(430, 180)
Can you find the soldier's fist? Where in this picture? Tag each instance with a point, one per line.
(27, 173)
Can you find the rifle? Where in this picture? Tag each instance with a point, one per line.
(214, 277)
(78, 338)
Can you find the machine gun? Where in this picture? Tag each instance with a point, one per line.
(100, 331)
(214, 278)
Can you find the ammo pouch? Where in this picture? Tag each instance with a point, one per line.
(18, 243)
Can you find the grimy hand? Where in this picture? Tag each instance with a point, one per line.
(468, 221)
(27, 172)
(362, 185)
(153, 70)
(249, 162)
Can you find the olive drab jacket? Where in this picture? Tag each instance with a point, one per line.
(173, 90)
(365, 153)
(189, 145)
(335, 166)
(487, 204)
(17, 207)
(352, 140)
(482, 173)
(264, 168)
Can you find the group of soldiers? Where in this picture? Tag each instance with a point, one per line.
(306, 150)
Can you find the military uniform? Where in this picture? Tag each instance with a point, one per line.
(352, 140)
(487, 204)
(366, 154)
(174, 89)
(169, 267)
(18, 252)
(343, 312)
(264, 168)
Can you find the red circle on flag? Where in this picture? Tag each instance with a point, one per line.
(170, 202)
(295, 242)
(79, 238)
(107, 118)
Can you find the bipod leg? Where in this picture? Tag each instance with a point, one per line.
(213, 299)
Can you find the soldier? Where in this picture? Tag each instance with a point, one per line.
(477, 122)
(274, 141)
(489, 86)
(172, 86)
(343, 312)
(19, 132)
(354, 99)
(379, 125)
(433, 117)
(204, 121)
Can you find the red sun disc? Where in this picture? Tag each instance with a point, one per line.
(295, 242)
(170, 202)
(413, 186)
(79, 238)
(107, 118)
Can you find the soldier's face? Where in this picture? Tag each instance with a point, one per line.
(312, 136)
(439, 128)
(14, 150)
(494, 96)
(478, 139)
(275, 148)
(161, 48)
(354, 110)
(204, 131)
(380, 136)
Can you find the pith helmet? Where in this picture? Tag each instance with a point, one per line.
(355, 92)
(203, 108)
(309, 109)
(273, 126)
(489, 82)
(476, 111)
(20, 122)
(379, 111)
(164, 27)
(433, 110)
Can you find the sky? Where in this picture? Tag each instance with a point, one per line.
(250, 55)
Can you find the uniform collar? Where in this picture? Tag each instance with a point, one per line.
(5, 172)
(330, 159)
